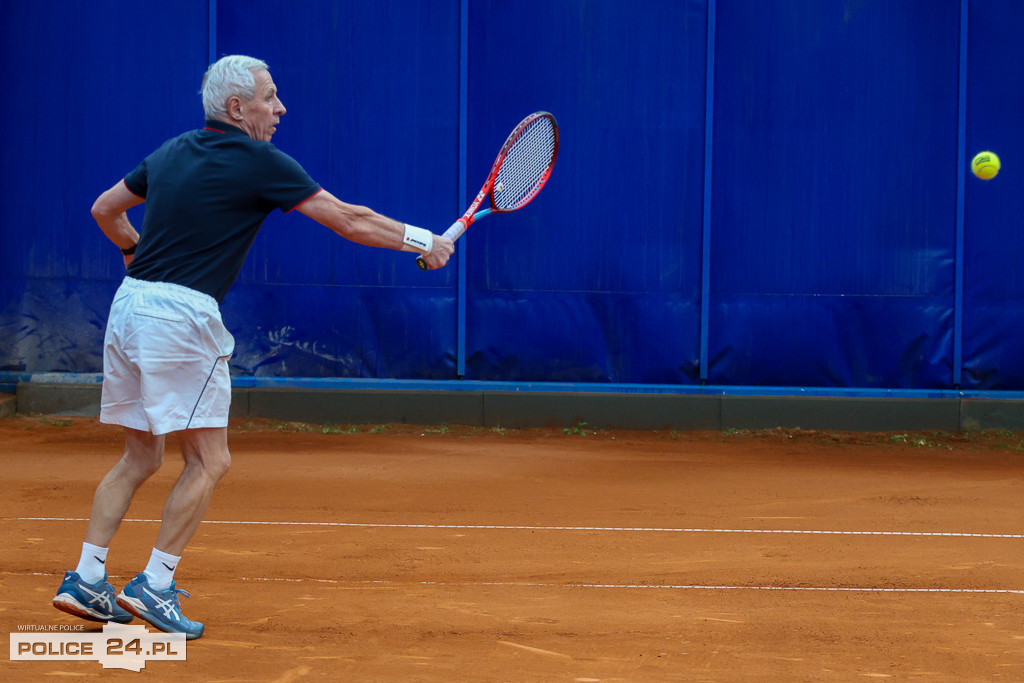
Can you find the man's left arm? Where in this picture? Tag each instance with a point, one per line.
(109, 213)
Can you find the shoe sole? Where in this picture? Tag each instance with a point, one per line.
(67, 603)
(135, 606)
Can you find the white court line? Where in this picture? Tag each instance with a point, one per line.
(605, 586)
(644, 586)
(522, 527)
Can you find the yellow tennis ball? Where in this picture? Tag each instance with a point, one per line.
(985, 165)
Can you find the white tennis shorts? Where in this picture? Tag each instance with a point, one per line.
(165, 359)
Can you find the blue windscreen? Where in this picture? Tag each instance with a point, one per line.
(832, 236)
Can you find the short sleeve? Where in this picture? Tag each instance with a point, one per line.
(138, 180)
(286, 183)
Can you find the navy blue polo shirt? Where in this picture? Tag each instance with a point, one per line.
(207, 194)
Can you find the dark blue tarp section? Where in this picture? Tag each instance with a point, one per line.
(599, 279)
(373, 100)
(993, 308)
(91, 89)
(834, 193)
(833, 250)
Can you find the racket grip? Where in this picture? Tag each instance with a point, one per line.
(453, 233)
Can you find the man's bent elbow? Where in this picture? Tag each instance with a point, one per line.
(114, 202)
(102, 209)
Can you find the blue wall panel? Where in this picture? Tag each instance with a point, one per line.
(53, 324)
(834, 181)
(299, 338)
(620, 220)
(372, 99)
(88, 96)
(993, 224)
(832, 341)
(587, 337)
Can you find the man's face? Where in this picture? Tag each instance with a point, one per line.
(263, 112)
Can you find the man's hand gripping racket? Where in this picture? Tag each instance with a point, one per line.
(522, 168)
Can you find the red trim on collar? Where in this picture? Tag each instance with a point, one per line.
(213, 129)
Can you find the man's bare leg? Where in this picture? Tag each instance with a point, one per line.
(143, 455)
(152, 595)
(207, 459)
(85, 592)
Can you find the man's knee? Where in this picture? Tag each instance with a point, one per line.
(145, 464)
(207, 449)
(143, 452)
(218, 465)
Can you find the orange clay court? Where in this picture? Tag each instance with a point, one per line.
(467, 554)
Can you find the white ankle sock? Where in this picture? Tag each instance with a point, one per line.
(160, 570)
(92, 565)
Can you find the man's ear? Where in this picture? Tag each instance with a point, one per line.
(234, 107)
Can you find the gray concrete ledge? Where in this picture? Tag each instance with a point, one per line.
(8, 405)
(519, 409)
(59, 398)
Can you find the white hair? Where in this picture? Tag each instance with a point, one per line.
(228, 77)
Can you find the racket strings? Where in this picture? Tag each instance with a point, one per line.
(525, 166)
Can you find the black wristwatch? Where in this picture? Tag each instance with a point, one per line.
(130, 250)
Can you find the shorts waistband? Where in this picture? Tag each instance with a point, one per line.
(170, 288)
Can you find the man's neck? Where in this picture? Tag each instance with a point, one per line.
(217, 121)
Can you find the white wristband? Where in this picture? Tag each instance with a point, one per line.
(417, 239)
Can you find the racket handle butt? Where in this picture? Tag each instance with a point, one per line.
(421, 263)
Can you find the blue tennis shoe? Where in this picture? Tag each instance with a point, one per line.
(159, 608)
(92, 601)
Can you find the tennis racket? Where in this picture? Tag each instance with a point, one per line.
(522, 168)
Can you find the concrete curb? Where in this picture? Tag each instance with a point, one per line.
(519, 409)
(8, 405)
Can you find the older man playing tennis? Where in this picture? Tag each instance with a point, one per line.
(165, 355)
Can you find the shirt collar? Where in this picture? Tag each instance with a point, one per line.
(224, 128)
